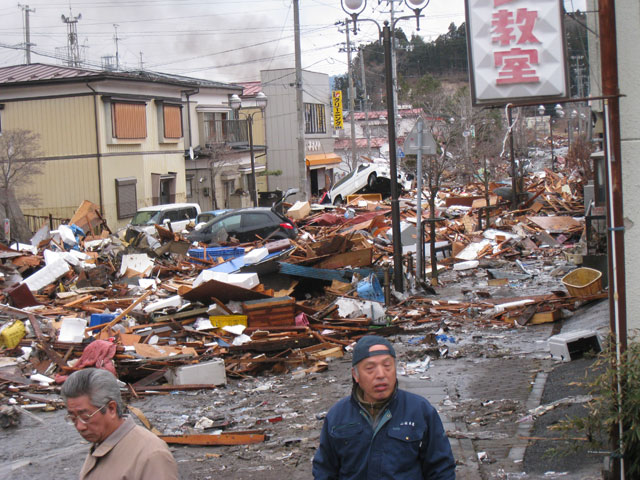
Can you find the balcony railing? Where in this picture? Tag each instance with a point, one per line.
(226, 132)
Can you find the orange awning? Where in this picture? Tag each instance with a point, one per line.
(320, 159)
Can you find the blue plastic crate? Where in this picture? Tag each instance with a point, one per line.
(212, 253)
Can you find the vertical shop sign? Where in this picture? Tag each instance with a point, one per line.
(337, 109)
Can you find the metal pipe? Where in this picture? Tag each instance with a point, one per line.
(420, 238)
(254, 190)
(398, 280)
(514, 169)
(98, 152)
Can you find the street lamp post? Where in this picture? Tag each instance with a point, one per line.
(261, 103)
(560, 113)
(354, 8)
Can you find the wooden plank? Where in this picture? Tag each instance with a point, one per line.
(545, 317)
(125, 312)
(51, 353)
(77, 301)
(220, 439)
(355, 258)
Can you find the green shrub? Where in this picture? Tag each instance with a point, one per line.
(611, 407)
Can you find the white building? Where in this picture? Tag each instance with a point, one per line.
(282, 130)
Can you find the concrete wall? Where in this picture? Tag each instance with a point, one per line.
(628, 39)
(628, 33)
(281, 120)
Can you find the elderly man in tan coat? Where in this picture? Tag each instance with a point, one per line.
(121, 449)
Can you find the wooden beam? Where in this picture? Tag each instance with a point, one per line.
(240, 438)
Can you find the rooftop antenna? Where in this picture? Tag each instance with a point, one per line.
(73, 50)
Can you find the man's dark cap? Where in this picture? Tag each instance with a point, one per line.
(361, 350)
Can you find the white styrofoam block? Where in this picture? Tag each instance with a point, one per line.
(72, 330)
(207, 275)
(469, 264)
(204, 373)
(138, 262)
(175, 301)
(255, 255)
(559, 345)
(246, 280)
(46, 275)
(66, 234)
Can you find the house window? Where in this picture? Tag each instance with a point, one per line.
(126, 198)
(128, 120)
(172, 115)
(314, 118)
(214, 127)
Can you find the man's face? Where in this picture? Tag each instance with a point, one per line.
(376, 375)
(100, 425)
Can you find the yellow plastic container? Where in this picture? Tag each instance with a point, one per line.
(10, 337)
(583, 282)
(220, 321)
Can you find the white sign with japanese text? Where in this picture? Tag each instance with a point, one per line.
(516, 50)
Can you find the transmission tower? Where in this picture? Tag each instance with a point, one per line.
(73, 50)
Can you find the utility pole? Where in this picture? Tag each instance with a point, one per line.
(366, 105)
(352, 103)
(615, 214)
(141, 62)
(394, 66)
(302, 164)
(27, 32)
(115, 27)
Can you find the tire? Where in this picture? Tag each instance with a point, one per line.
(338, 201)
(371, 181)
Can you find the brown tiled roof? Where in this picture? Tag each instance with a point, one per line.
(345, 143)
(250, 89)
(39, 72)
(405, 112)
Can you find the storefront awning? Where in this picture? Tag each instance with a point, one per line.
(321, 159)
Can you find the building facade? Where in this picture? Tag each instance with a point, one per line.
(627, 37)
(282, 131)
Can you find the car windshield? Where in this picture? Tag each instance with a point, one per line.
(345, 178)
(146, 217)
(205, 217)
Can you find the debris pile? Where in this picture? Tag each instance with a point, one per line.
(165, 315)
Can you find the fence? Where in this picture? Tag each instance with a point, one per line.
(34, 222)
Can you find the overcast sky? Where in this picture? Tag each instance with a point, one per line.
(229, 41)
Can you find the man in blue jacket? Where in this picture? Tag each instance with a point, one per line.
(381, 432)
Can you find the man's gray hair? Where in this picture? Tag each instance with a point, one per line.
(101, 386)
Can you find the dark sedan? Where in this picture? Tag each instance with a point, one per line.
(245, 225)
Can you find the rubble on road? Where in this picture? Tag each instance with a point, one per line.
(164, 315)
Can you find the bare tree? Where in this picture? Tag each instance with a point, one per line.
(19, 153)
(218, 160)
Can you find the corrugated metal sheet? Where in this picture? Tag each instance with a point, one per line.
(327, 274)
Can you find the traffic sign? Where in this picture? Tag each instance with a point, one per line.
(428, 143)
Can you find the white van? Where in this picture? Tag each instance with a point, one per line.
(178, 215)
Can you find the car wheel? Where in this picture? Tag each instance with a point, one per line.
(338, 201)
(371, 181)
